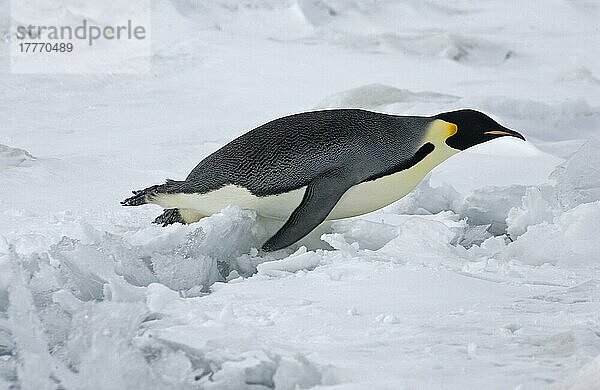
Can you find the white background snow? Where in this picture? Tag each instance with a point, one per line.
(487, 276)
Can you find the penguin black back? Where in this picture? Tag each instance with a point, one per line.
(286, 153)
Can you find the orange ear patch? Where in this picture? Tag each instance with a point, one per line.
(451, 130)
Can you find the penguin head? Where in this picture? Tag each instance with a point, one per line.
(473, 128)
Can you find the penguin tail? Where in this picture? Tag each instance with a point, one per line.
(148, 195)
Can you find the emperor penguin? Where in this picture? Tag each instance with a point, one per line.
(319, 165)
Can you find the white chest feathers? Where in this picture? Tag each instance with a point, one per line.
(359, 199)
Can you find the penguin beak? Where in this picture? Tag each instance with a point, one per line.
(505, 132)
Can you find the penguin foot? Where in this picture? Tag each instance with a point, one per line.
(169, 217)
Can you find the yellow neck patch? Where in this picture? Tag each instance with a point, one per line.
(438, 132)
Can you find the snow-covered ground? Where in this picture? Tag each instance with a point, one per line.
(487, 276)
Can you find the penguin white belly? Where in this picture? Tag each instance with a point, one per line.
(359, 199)
(275, 206)
(373, 195)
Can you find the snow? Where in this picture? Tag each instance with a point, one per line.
(299, 260)
(485, 276)
(13, 157)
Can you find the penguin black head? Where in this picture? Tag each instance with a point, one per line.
(473, 128)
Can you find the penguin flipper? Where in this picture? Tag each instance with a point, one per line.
(320, 197)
